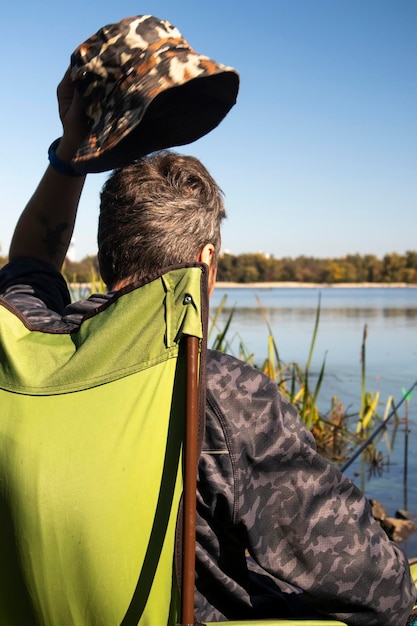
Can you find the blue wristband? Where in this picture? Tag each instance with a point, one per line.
(62, 167)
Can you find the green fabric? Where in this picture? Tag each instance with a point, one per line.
(91, 434)
(413, 570)
(30, 362)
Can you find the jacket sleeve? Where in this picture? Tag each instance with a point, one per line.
(306, 523)
(35, 288)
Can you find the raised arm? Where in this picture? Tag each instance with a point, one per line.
(45, 227)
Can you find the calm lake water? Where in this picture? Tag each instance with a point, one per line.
(391, 361)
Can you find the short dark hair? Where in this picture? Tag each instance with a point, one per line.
(157, 212)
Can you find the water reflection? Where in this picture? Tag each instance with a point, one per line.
(389, 313)
(306, 312)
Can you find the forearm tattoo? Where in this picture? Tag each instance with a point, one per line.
(54, 245)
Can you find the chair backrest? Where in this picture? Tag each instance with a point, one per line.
(91, 435)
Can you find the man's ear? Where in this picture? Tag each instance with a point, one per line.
(207, 256)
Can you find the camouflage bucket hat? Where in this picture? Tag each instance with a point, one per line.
(145, 89)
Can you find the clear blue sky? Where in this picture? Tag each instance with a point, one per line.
(318, 157)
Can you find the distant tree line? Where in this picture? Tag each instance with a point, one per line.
(353, 268)
(258, 267)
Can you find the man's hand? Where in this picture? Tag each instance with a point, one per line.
(75, 122)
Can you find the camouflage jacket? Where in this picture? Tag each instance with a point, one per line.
(280, 531)
(264, 491)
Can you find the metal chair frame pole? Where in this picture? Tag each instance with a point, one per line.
(190, 481)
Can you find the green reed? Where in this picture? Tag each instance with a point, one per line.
(82, 290)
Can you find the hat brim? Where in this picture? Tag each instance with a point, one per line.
(176, 116)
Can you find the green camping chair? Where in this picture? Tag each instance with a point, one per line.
(92, 450)
(91, 436)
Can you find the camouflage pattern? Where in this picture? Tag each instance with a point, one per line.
(264, 490)
(141, 81)
(280, 531)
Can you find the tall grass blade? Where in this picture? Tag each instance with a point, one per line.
(268, 325)
(216, 315)
(221, 337)
(370, 411)
(363, 372)
(319, 381)
(315, 331)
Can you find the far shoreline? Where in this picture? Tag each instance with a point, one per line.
(280, 285)
(295, 285)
